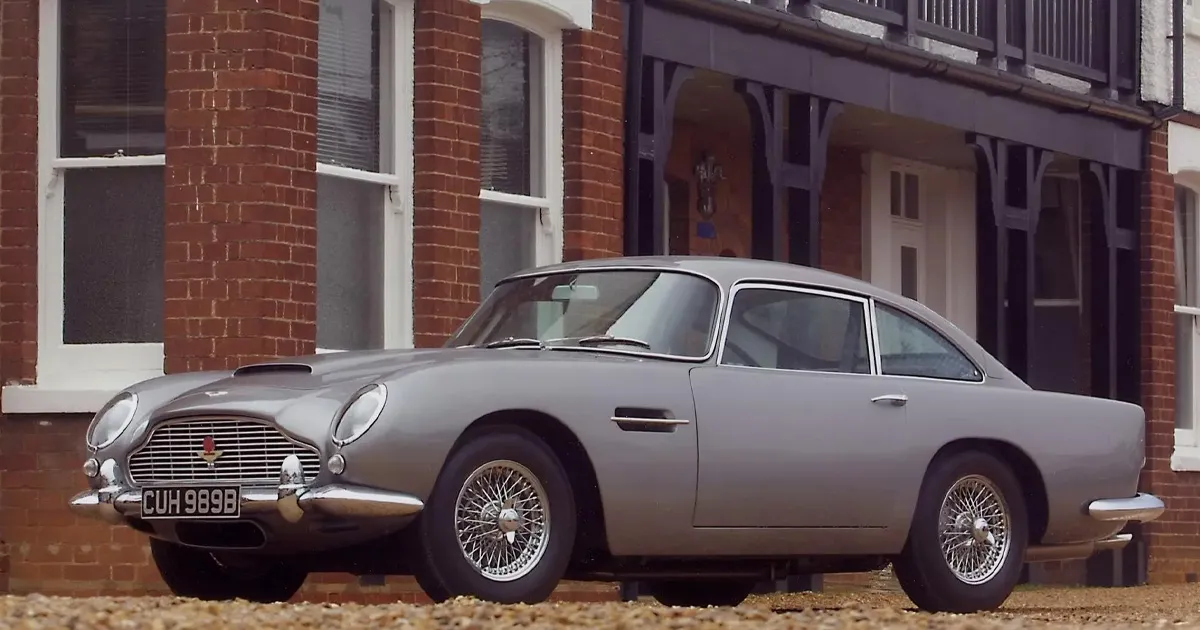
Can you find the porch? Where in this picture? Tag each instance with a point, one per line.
(1015, 220)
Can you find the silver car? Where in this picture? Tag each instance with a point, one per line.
(697, 424)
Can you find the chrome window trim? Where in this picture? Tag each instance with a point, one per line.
(876, 349)
(983, 376)
(717, 315)
(775, 285)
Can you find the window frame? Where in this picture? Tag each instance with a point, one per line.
(870, 304)
(723, 302)
(62, 385)
(876, 303)
(397, 41)
(1075, 224)
(863, 302)
(546, 142)
(1186, 452)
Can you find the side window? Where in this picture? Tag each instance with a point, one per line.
(792, 330)
(908, 347)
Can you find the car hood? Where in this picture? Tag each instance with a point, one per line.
(329, 379)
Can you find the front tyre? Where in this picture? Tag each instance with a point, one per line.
(196, 573)
(500, 523)
(968, 537)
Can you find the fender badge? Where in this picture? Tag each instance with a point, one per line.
(214, 394)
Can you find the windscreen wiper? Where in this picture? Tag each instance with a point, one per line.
(514, 342)
(596, 340)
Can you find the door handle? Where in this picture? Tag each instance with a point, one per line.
(663, 422)
(895, 400)
(649, 425)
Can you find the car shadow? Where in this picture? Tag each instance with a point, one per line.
(821, 609)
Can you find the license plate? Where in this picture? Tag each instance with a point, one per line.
(186, 502)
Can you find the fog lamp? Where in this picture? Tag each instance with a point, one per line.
(337, 464)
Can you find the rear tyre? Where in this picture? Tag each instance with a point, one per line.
(500, 523)
(700, 593)
(966, 545)
(196, 573)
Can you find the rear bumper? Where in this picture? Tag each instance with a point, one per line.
(291, 499)
(1143, 507)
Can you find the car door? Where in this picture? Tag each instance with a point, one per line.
(794, 427)
(941, 381)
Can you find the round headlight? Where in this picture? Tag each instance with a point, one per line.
(360, 414)
(112, 420)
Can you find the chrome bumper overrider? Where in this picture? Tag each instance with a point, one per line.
(1143, 507)
(292, 499)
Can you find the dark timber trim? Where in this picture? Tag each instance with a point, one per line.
(920, 90)
(1111, 197)
(789, 167)
(644, 224)
(801, 27)
(1008, 202)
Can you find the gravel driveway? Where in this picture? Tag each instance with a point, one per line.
(1158, 606)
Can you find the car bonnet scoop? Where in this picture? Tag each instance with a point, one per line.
(273, 368)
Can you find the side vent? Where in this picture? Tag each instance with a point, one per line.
(273, 368)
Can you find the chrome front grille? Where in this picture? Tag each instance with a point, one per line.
(246, 452)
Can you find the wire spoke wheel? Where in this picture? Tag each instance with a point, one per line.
(974, 525)
(502, 520)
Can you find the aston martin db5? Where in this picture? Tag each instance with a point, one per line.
(699, 425)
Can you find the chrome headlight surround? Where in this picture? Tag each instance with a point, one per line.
(360, 414)
(112, 420)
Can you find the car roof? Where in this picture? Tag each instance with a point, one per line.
(728, 271)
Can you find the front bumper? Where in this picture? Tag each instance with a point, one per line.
(291, 499)
(1143, 507)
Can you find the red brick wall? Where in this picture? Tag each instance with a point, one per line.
(446, 155)
(18, 220)
(241, 203)
(841, 197)
(842, 212)
(593, 136)
(730, 147)
(18, 190)
(1174, 539)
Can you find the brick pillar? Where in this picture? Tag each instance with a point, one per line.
(446, 172)
(1158, 351)
(18, 190)
(842, 213)
(593, 136)
(241, 182)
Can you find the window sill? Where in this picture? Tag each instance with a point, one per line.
(39, 399)
(1185, 458)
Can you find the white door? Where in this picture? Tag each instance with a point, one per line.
(919, 235)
